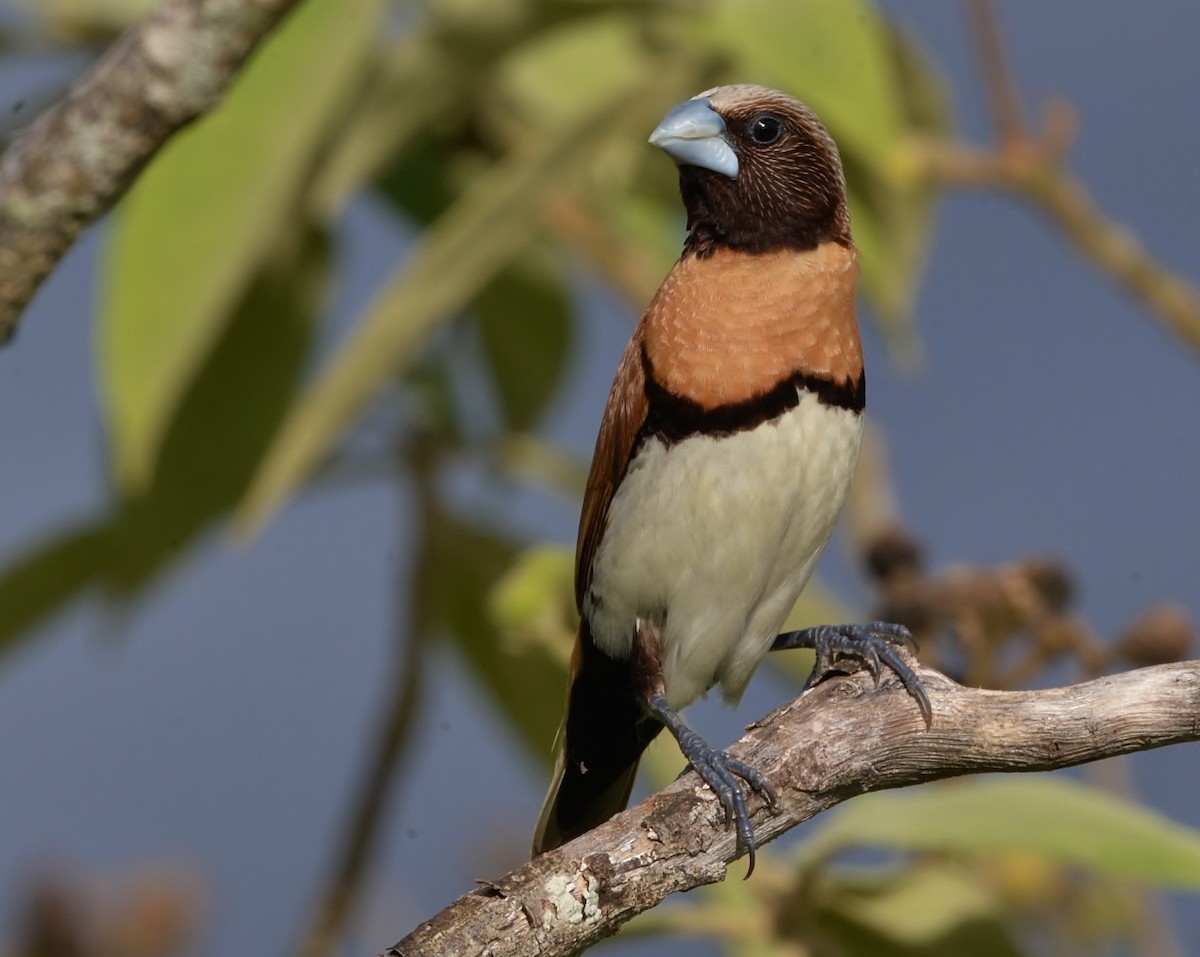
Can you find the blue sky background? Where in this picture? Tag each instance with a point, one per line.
(223, 724)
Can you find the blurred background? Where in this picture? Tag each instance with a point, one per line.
(293, 444)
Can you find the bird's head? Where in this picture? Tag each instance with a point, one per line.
(757, 171)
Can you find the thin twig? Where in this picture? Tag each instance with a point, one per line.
(1038, 177)
(838, 740)
(80, 156)
(1004, 99)
(340, 898)
(1031, 165)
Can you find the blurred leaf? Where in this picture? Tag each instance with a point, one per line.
(933, 909)
(204, 215)
(419, 183)
(231, 409)
(529, 458)
(893, 215)
(572, 68)
(924, 93)
(652, 230)
(42, 581)
(229, 414)
(833, 55)
(459, 567)
(464, 78)
(533, 603)
(413, 85)
(525, 322)
(489, 224)
(1072, 824)
(916, 905)
(842, 936)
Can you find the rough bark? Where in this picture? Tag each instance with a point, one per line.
(841, 739)
(81, 155)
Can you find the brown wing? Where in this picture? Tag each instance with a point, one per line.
(623, 419)
(579, 800)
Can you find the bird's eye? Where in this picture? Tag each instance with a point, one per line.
(766, 128)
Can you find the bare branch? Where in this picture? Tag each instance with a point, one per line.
(841, 739)
(1004, 98)
(80, 156)
(339, 899)
(1031, 165)
(1033, 172)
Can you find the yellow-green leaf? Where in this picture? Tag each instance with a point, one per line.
(533, 603)
(202, 218)
(560, 72)
(1051, 816)
(42, 580)
(459, 566)
(834, 56)
(524, 317)
(232, 406)
(892, 213)
(919, 905)
(231, 409)
(491, 222)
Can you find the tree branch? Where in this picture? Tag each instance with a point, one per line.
(1034, 172)
(841, 739)
(999, 84)
(80, 156)
(1031, 165)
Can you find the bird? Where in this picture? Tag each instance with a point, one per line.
(724, 457)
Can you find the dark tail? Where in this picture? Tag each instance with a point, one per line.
(605, 731)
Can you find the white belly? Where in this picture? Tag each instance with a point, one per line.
(712, 541)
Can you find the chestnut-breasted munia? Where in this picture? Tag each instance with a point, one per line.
(724, 457)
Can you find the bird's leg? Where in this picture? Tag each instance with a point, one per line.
(870, 646)
(718, 769)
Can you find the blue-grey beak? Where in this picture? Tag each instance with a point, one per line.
(693, 133)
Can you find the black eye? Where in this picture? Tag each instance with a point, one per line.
(765, 128)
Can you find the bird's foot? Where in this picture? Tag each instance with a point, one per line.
(720, 771)
(844, 649)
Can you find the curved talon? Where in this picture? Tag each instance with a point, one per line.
(870, 645)
(896, 633)
(720, 771)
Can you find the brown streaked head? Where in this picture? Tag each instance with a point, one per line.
(757, 172)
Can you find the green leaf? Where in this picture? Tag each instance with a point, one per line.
(914, 906)
(1050, 816)
(42, 581)
(459, 567)
(205, 214)
(491, 222)
(228, 415)
(232, 407)
(415, 84)
(834, 56)
(841, 935)
(533, 602)
(419, 184)
(573, 67)
(525, 322)
(893, 213)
